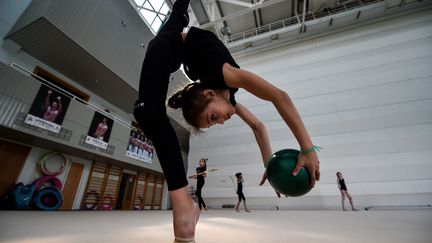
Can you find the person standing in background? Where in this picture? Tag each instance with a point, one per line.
(240, 194)
(344, 191)
(200, 174)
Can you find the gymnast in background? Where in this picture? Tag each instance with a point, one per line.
(240, 194)
(344, 192)
(200, 174)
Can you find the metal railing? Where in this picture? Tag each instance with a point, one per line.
(72, 96)
(296, 20)
(263, 29)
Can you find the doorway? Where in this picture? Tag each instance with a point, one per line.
(70, 188)
(126, 192)
(12, 159)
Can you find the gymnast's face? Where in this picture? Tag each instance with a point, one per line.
(202, 163)
(218, 110)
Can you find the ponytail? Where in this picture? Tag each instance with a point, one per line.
(191, 100)
(176, 100)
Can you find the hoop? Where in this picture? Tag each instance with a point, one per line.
(42, 164)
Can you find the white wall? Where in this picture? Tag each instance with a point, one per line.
(365, 95)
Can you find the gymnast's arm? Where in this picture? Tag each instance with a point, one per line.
(259, 131)
(238, 78)
(60, 107)
(261, 136)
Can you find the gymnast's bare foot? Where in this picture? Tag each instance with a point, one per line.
(185, 215)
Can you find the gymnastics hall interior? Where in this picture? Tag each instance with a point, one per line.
(75, 167)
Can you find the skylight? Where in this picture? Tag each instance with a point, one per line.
(154, 12)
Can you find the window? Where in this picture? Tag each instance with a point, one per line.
(154, 12)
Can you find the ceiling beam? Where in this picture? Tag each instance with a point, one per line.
(256, 6)
(235, 2)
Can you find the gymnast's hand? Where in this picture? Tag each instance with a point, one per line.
(311, 163)
(264, 178)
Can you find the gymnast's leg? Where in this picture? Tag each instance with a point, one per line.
(160, 60)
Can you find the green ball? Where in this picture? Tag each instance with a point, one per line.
(279, 174)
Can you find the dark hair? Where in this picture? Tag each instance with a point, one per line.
(238, 174)
(191, 100)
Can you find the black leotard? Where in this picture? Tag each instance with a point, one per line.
(240, 190)
(200, 184)
(203, 57)
(342, 184)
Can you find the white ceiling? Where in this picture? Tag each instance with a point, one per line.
(245, 24)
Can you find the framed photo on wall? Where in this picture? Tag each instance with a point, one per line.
(48, 109)
(99, 131)
(140, 147)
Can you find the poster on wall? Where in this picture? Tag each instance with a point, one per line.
(99, 131)
(48, 109)
(140, 147)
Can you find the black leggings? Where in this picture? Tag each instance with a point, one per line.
(161, 59)
(201, 202)
(241, 196)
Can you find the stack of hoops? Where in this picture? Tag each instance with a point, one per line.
(48, 195)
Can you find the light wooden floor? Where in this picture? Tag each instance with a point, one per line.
(219, 226)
